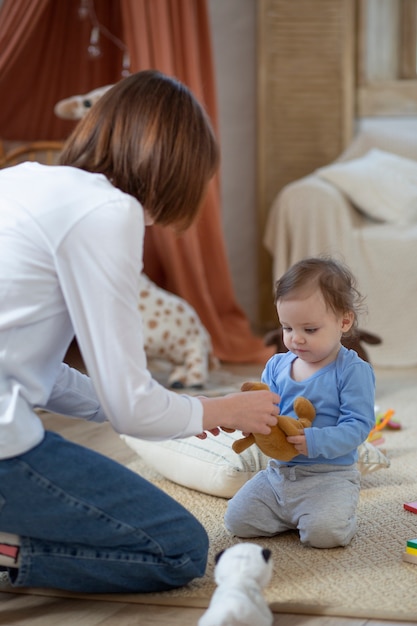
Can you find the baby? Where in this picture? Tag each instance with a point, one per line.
(316, 492)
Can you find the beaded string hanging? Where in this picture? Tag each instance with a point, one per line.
(86, 10)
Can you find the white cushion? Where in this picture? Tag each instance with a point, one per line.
(380, 184)
(208, 465)
(211, 465)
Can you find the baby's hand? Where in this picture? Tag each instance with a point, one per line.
(300, 443)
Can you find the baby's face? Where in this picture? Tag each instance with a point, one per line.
(311, 329)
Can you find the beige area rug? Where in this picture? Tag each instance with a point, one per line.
(368, 579)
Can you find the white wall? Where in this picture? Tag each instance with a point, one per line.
(233, 24)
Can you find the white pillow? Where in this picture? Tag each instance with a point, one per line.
(208, 465)
(381, 184)
(211, 465)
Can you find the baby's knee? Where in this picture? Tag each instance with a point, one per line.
(241, 520)
(237, 525)
(250, 523)
(325, 535)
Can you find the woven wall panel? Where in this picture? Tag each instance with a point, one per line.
(305, 96)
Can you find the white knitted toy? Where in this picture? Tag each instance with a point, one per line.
(171, 327)
(241, 573)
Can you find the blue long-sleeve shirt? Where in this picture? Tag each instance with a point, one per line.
(343, 394)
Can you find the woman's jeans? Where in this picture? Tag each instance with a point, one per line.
(88, 524)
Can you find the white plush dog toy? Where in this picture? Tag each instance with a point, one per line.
(172, 329)
(241, 573)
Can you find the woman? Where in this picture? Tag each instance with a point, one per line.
(71, 242)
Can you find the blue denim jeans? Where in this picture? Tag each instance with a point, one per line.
(88, 524)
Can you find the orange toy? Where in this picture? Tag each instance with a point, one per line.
(382, 420)
(275, 445)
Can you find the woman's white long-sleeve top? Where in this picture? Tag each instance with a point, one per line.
(71, 249)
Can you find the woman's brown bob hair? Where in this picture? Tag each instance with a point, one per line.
(153, 140)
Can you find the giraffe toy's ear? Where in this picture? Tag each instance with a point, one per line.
(75, 107)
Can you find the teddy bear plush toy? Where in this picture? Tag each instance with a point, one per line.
(275, 445)
(172, 330)
(241, 573)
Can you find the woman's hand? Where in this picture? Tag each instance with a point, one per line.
(213, 431)
(250, 412)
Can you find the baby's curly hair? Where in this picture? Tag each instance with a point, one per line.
(334, 279)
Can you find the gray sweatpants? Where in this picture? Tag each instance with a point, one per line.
(318, 500)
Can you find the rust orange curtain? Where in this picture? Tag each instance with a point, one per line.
(43, 58)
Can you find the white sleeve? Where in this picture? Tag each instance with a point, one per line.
(73, 395)
(99, 264)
